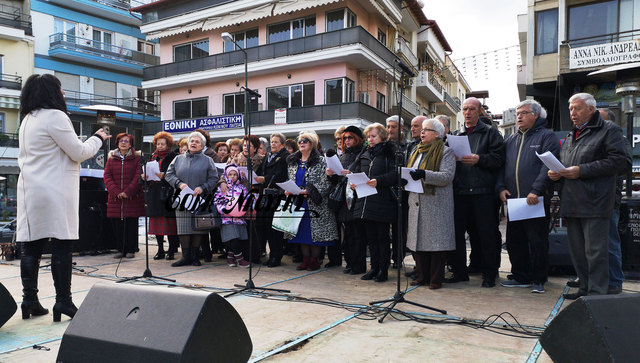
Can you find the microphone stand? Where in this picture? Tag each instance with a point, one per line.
(147, 274)
(398, 297)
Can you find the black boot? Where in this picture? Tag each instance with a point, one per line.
(29, 266)
(195, 261)
(61, 271)
(382, 276)
(370, 275)
(160, 254)
(185, 259)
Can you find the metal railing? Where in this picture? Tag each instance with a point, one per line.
(124, 4)
(14, 17)
(77, 98)
(402, 47)
(452, 102)
(106, 50)
(285, 48)
(8, 140)
(295, 115)
(10, 81)
(605, 38)
(433, 80)
(411, 107)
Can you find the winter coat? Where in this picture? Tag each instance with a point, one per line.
(123, 175)
(346, 159)
(241, 160)
(523, 171)
(431, 216)
(601, 153)
(195, 170)
(235, 191)
(274, 171)
(212, 154)
(480, 178)
(378, 163)
(159, 191)
(323, 228)
(48, 190)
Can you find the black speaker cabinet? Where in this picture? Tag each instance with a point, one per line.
(132, 323)
(559, 248)
(602, 328)
(8, 305)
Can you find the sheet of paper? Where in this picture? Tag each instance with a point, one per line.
(460, 145)
(220, 165)
(290, 186)
(190, 203)
(551, 161)
(412, 185)
(358, 178)
(519, 209)
(152, 167)
(365, 190)
(334, 164)
(243, 170)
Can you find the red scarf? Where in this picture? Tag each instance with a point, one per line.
(159, 155)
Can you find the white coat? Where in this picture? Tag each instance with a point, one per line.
(48, 190)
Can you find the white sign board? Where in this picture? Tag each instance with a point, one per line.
(280, 116)
(604, 54)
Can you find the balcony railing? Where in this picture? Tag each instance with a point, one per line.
(411, 107)
(285, 48)
(109, 51)
(433, 80)
(605, 38)
(10, 81)
(452, 102)
(8, 140)
(403, 48)
(15, 18)
(295, 115)
(76, 98)
(124, 4)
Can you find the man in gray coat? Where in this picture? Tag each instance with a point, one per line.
(525, 176)
(593, 153)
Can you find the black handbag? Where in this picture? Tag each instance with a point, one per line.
(205, 220)
(337, 196)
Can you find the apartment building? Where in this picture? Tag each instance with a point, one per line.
(316, 64)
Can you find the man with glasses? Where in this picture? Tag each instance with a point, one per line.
(525, 176)
(474, 196)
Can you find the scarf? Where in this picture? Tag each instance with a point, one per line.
(431, 160)
(117, 153)
(159, 155)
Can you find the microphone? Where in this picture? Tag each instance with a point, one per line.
(330, 153)
(405, 68)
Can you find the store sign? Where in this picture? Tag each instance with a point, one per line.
(280, 116)
(604, 54)
(208, 123)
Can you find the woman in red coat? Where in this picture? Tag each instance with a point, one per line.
(125, 202)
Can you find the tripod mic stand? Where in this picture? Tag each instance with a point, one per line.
(398, 297)
(147, 274)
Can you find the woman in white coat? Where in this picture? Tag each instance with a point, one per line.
(48, 190)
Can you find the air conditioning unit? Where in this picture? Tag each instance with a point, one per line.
(365, 97)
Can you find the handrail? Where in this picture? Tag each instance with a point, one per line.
(64, 40)
(83, 98)
(604, 37)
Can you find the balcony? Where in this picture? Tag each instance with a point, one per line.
(301, 115)
(601, 56)
(450, 106)
(429, 87)
(116, 10)
(353, 45)
(70, 47)
(410, 109)
(10, 81)
(13, 17)
(403, 49)
(78, 99)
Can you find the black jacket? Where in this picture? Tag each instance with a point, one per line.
(601, 154)
(378, 163)
(346, 159)
(274, 171)
(523, 171)
(480, 178)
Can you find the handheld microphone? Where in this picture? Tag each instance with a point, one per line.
(330, 153)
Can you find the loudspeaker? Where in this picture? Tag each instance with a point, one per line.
(133, 323)
(599, 328)
(559, 249)
(8, 305)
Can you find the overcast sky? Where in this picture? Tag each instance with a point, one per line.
(475, 27)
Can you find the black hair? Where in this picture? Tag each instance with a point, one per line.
(41, 91)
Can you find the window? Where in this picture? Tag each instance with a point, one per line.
(197, 49)
(104, 88)
(102, 40)
(339, 90)
(382, 37)
(591, 20)
(190, 108)
(145, 47)
(63, 26)
(70, 82)
(381, 102)
(547, 31)
(245, 39)
(336, 20)
(291, 30)
(234, 103)
(2, 118)
(296, 95)
(629, 15)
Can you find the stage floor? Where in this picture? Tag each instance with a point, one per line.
(292, 328)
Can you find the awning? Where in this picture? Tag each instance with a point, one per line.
(289, 6)
(10, 102)
(176, 30)
(237, 17)
(381, 12)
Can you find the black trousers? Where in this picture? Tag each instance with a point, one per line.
(274, 238)
(335, 252)
(126, 232)
(476, 214)
(59, 247)
(405, 226)
(354, 236)
(528, 247)
(379, 244)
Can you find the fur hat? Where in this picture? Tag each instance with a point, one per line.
(355, 130)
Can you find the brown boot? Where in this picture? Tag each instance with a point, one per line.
(305, 263)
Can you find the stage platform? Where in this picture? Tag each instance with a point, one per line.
(325, 318)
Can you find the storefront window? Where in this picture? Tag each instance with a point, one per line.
(547, 31)
(592, 20)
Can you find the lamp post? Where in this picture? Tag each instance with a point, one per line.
(247, 125)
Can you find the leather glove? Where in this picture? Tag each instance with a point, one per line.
(403, 182)
(314, 194)
(418, 174)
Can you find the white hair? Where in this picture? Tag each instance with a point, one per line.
(394, 118)
(199, 135)
(587, 98)
(534, 106)
(434, 124)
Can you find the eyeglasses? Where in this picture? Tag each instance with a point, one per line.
(425, 130)
(303, 141)
(338, 138)
(349, 138)
(124, 141)
(523, 113)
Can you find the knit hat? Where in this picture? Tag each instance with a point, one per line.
(355, 130)
(231, 167)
